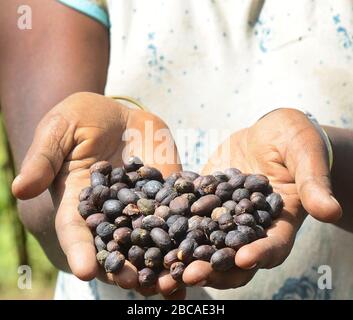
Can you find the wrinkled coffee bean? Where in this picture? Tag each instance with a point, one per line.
(166, 195)
(208, 225)
(172, 219)
(98, 179)
(127, 196)
(105, 230)
(179, 228)
(170, 258)
(226, 222)
(260, 232)
(147, 277)
(218, 238)
(86, 209)
(112, 209)
(259, 201)
(131, 210)
(245, 219)
(198, 235)
(136, 221)
(217, 212)
(207, 185)
(250, 232)
(103, 167)
(180, 205)
(263, 218)
(119, 175)
(141, 237)
(139, 184)
(184, 186)
(133, 178)
(204, 252)
(275, 202)
(114, 262)
(177, 270)
(186, 249)
(146, 206)
(232, 172)
(112, 245)
(194, 223)
(236, 239)
(244, 206)
(140, 194)
(136, 256)
(230, 205)
(256, 182)
(220, 176)
(162, 212)
(85, 194)
(223, 259)
(151, 188)
(224, 191)
(189, 175)
(99, 243)
(94, 220)
(132, 164)
(123, 236)
(237, 181)
(122, 221)
(205, 205)
(161, 239)
(101, 256)
(150, 173)
(152, 221)
(118, 186)
(240, 194)
(153, 258)
(99, 195)
(170, 180)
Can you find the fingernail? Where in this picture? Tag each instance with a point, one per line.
(173, 291)
(201, 283)
(17, 179)
(252, 267)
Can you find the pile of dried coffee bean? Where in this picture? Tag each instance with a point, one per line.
(159, 224)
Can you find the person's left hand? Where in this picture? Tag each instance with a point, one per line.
(286, 147)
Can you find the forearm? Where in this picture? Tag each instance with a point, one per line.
(65, 52)
(342, 172)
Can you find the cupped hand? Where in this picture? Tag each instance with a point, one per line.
(82, 129)
(286, 147)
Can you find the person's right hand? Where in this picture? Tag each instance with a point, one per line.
(82, 129)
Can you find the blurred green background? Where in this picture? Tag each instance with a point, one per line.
(18, 247)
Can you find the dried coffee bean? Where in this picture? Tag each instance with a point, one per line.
(146, 206)
(240, 194)
(86, 208)
(162, 212)
(112, 245)
(232, 172)
(223, 259)
(237, 181)
(166, 195)
(170, 258)
(123, 236)
(218, 238)
(244, 205)
(197, 182)
(99, 195)
(226, 222)
(172, 219)
(198, 235)
(152, 221)
(170, 180)
(260, 232)
(136, 256)
(204, 252)
(103, 167)
(146, 172)
(140, 183)
(194, 223)
(263, 218)
(208, 225)
(256, 182)
(177, 270)
(133, 178)
(119, 175)
(179, 228)
(136, 221)
(114, 262)
(147, 277)
(118, 186)
(190, 197)
(186, 249)
(259, 201)
(208, 185)
(94, 220)
(113, 194)
(105, 230)
(236, 239)
(140, 194)
(161, 239)
(205, 205)
(245, 219)
(275, 202)
(132, 163)
(180, 205)
(131, 210)
(85, 193)
(99, 243)
(151, 188)
(217, 212)
(224, 191)
(122, 221)
(184, 186)
(98, 179)
(189, 175)
(250, 232)
(220, 176)
(230, 205)
(153, 258)
(141, 237)
(112, 209)
(127, 196)
(101, 256)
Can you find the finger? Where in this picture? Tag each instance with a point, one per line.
(166, 285)
(200, 273)
(127, 277)
(147, 292)
(74, 236)
(180, 294)
(308, 163)
(52, 142)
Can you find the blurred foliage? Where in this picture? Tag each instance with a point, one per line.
(12, 236)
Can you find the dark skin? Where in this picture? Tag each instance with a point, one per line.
(76, 58)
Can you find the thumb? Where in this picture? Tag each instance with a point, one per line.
(310, 168)
(52, 142)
